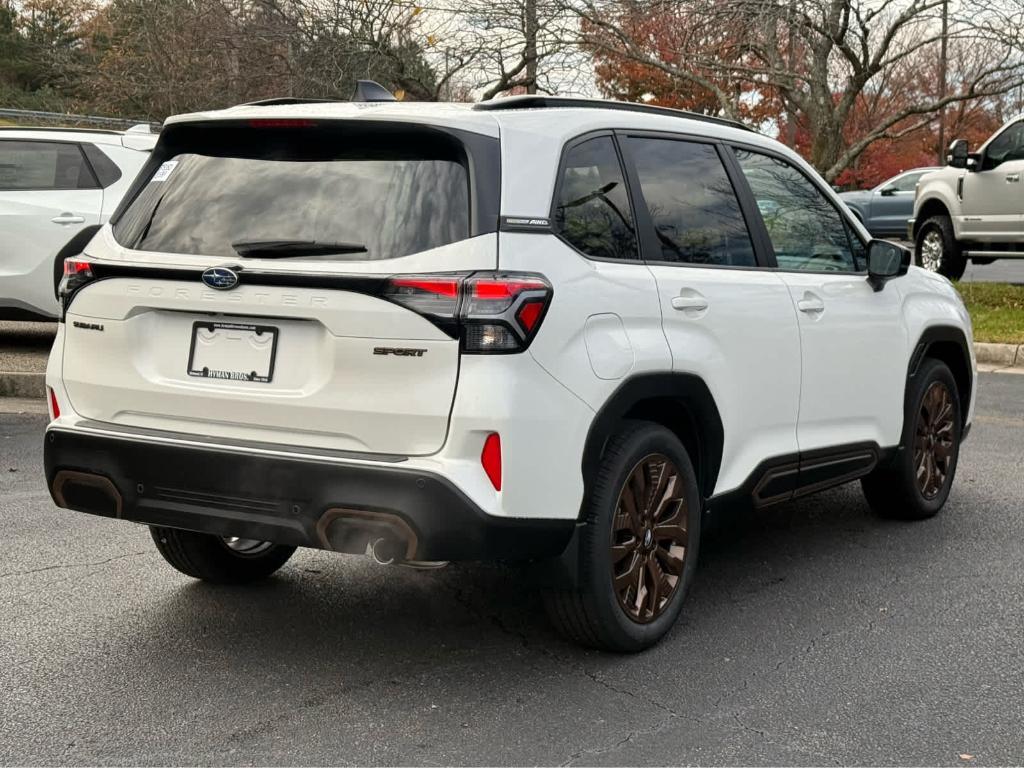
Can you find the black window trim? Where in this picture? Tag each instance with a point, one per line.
(85, 162)
(851, 230)
(649, 241)
(567, 147)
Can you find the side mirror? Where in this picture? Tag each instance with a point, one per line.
(885, 261)
(887, 191)
(956, 156)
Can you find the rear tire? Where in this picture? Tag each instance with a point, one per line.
(915, 484)
(937, 249)
(214, 559)
(639, 544)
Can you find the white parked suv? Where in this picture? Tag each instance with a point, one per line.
(973, 209)
(57, 186)
(537, 329)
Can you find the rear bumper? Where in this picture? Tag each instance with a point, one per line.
(288, 500)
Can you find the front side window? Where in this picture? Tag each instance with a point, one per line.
(40, 165)
(693, 207)
(1008, 145)
(806, 230)
(310, 195)
(906, 183)
(592, 210)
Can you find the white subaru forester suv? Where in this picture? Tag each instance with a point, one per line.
(543, 330)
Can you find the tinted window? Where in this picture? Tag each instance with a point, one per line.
(692, 204)
(106, 170)
(32, 165)
(390, 202)
(592, 211)
(806, 230)
(1008, 145)
(905, 183)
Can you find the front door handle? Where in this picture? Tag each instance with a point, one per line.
(690, 302)
(68, 218)
(1013, 178)
(811, 304)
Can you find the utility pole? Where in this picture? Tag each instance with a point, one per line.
(942, 81)
(530, 30)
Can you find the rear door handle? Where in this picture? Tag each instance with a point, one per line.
(1013, 178)
(691, 302)
(811, 304)
(68, 218)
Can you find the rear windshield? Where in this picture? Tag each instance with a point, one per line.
(379, 197)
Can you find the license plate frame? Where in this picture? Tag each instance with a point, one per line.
(197, 356)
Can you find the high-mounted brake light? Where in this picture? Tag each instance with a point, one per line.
(281, 123)
(493, 312)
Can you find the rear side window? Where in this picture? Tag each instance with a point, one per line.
(693, 207)
(368, 197)
(592, 209)
(40, 165)
(106, 170)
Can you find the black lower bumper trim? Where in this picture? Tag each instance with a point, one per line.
(301, 502)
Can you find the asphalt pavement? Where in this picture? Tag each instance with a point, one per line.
(815, 634)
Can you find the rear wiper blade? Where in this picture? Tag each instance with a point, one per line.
(283, 249)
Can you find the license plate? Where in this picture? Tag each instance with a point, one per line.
(232, 351)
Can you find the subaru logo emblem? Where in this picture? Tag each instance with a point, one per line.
(221, 278)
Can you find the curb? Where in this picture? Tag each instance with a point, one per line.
(999, 355)
(31, 385)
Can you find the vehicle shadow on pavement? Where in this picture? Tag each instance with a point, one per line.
(342, 612)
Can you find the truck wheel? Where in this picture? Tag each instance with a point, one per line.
(937, 249)
(916, 483)
(638, 548)
(221, 560)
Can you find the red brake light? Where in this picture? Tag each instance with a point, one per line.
(54, 408)
(490, 458)
(493, 312)
(75, 266)
(447, 288)
(281, 123)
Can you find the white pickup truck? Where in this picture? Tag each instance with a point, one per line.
(973, 209)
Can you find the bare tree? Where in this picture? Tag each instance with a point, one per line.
(820, 58)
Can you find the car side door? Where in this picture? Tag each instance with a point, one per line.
(992, 194)
(892, 203)
(48, 193)
(727, 319)
(853, 340)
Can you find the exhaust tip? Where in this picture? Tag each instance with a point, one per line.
(385, 551)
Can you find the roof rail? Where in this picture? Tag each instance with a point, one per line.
(551, 102)
(285, 100)
(365, 91)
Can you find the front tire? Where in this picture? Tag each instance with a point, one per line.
(916, 483)
(219, 560)
(937, 249)
(639, 545)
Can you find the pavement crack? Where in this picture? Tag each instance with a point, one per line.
(68, 566)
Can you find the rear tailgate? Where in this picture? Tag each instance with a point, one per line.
(305, 350)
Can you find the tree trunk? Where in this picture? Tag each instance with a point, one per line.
(530, 29)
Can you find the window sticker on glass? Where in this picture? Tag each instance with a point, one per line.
(164, 171)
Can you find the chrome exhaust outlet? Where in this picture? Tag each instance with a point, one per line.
(385, 551)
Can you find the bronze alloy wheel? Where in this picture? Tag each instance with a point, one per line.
(933, 441)
(649, 538)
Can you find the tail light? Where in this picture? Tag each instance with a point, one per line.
(492, 312)
(77, 272)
